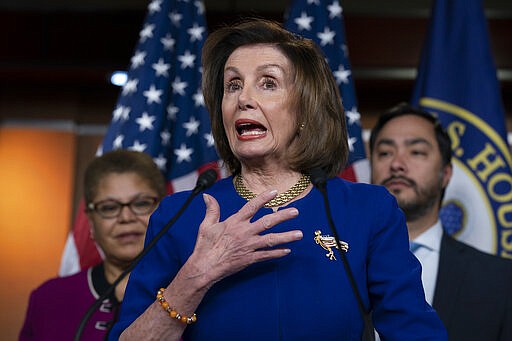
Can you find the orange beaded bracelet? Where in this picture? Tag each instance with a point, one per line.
(173, 313)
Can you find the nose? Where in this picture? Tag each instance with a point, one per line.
(398, 163)
(246, 99)
(126, 214)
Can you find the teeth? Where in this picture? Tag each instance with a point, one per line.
(250, 129)
(252, 132)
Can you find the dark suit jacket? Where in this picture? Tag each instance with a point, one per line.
(473, 294)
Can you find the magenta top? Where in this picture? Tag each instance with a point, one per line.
(56, 308)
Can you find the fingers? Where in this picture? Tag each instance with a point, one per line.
(268, 241)
(239, 226)
(231, 245)
(268, 221)
(212, 215)
(272, 239)
(249, 209)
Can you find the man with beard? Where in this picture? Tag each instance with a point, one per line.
(410, 155)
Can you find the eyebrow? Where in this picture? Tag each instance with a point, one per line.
(408, 142)
(270, 66)
(259, 68)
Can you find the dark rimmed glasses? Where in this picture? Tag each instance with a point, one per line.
(112, 208)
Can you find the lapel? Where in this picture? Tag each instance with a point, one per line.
(453, 267)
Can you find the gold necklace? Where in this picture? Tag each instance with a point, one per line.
(281, 198)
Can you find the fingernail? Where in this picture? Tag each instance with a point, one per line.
(298, 234)
(294, 211)
(273, 192)
(206, 198)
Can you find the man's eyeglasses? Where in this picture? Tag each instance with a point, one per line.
(112, 208)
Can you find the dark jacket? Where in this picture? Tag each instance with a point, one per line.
(473, 295)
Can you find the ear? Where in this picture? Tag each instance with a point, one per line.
(91, 226)
(447, 174)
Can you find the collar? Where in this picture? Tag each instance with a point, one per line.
(100, 283)
(431, 238)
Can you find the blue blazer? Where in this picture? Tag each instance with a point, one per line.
(473, 294)
(304, 295)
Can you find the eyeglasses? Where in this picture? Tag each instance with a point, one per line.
(112, 208)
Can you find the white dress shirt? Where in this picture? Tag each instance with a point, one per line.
(428, 255)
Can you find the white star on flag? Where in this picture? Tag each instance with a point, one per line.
(304, 22)
(353, 116)
(168, 42)
(200, 7)
(138, 59)
(344, 48)
(351, 142)
(154, 6)
(160, 161)
(196, 32)
(326, 37)
(116, 114)
(118, 142)
(183, 153)
(145, 121)
(172, 110)
(191, 126)
(161, 68)
(198, 98)
(147, 32)
(166, 137)
(178, 87)
(335, 10)
(121, 113)
(342, 75)
(210, 142)
(153, 94)
(175, 18)
(187, 60)
(137, 146)
(130, 87)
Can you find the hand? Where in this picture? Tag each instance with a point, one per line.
(224, 248)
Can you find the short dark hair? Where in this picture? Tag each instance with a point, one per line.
(402, 109)
(122, 161)
(315, 98)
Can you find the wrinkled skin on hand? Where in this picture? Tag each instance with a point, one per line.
(226, 247)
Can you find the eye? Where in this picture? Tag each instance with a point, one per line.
(143, 203)
(269, 83)
(108, 207)
(233, 85)
(418, 152)
(382, 153)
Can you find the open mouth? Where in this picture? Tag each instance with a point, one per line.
(250, 129)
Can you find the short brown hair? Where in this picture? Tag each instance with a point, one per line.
(123, 161)
(323, 140)
(402, 109)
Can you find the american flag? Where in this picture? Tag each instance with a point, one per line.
(160, 110)
(322, 22)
